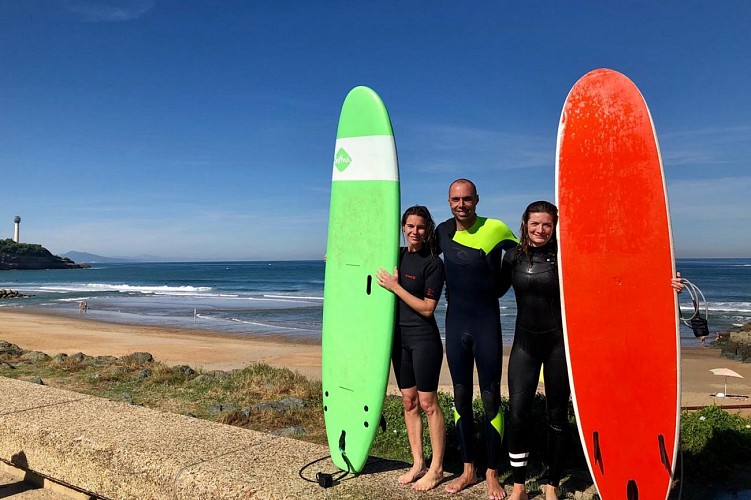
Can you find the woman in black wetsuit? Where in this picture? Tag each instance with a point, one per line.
(532, 269)
(418, 351)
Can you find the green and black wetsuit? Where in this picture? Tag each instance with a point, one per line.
(473, 324)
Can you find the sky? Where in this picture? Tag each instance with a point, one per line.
(205, 129)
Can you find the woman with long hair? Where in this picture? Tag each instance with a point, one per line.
(532, 269)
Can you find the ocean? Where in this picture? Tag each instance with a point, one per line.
(285, 298)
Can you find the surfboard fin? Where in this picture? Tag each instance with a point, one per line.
(632, 490)
(664, 454)
(383, 423)
(343, 441)
(342, 448)
(598, 453)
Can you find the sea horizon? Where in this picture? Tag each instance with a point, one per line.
(285, 297)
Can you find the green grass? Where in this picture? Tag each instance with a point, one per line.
(715, 444)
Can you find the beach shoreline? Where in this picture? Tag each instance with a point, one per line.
(51, 333)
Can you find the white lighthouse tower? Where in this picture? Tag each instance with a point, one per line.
(17, 229)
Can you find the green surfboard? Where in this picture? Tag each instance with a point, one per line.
(358, 315)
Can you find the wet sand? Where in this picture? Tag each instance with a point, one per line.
(54, 334)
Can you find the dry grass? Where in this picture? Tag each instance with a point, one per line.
(226, 397)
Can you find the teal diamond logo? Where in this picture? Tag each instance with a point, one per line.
(342, 160)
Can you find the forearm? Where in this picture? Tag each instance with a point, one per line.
(424, 307)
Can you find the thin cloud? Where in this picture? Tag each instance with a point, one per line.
(111, 11)
(438, 149)
(706, 146)
(711, 199)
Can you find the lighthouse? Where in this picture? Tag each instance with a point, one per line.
(17, 229)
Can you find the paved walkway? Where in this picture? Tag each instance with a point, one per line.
(16, 484)
(114, 450)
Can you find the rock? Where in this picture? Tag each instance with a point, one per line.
(221, 408)
(737, 346)
(286, 404)
(32, 256)
(59, 358)
(36, 380)
(10, 349)
(289, 431)
(114, 372)
(34, 357)
(78, 357)
(7, 293)
(145, 373)
(184, 370)
(138, 358)
(101, 360)
(6, 366)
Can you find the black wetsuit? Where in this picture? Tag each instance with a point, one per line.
(538, 341)
(418, 351)
(473, 325)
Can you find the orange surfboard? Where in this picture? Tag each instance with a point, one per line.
(620, 313)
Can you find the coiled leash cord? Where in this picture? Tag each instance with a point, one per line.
(324, 480)
(696, 321)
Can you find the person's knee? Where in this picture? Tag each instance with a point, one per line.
(557, 419)
(491, 402)
(429, 403)
(463, 400)
(410, 402)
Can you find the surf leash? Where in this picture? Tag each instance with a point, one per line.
(696, 321)
(324, 479)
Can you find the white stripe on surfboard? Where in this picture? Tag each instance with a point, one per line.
(368, 158)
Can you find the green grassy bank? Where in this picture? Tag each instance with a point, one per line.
(715, 444)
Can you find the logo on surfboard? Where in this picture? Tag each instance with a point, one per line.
(342, 160)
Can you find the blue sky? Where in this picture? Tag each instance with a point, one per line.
(204, 130)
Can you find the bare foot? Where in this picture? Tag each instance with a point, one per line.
(412, 475)
(430, 480)
(518, 493)
(495, 490)
(466, 480)
(550, 492)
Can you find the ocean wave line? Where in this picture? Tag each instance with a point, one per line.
(107, 287)
(254, 323)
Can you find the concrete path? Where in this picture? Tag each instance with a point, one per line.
(109, 449)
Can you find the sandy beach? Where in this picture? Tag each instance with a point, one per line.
(54, 334)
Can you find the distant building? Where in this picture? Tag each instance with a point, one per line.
(17, 230)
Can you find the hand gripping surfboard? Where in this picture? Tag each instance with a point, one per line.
(615, 263)
(358, 315)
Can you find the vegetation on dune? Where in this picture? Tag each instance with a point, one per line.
(715, 444)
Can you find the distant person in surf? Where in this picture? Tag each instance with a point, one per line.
(418, 352)
(532, 269)
(472, 248)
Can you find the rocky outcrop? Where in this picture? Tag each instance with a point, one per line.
(7, 293)
(737, 346)
(30, 256)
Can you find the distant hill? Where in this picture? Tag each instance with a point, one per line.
(91, 258)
